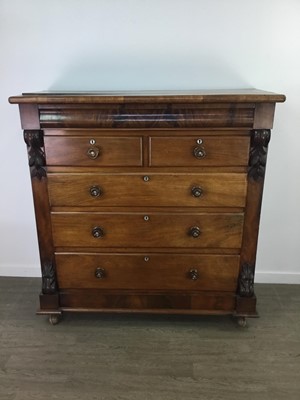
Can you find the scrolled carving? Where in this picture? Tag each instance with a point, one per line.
(258, 153)
(246, 281)
(49, 284)
(36, 155)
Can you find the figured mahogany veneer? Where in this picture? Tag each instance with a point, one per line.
(144, 229)
(155, 271)
(213, 151)
(105, 152)
(136, 301)
(148, 201)
(136, 189)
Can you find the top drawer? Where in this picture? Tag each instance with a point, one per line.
(197, 152)
(96, 151)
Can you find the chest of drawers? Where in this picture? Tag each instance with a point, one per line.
(150, 201)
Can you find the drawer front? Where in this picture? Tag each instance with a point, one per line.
(152, 302)
(190, 230)
(152, 271)
(210, 151)
(192, 190)
(106, 151)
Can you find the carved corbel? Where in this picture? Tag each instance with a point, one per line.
(260, 139)
(246, 281)
(36, 155)
(49, 283)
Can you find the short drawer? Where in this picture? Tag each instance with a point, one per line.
(198, 152)
(149, 271)
(95, 151)
(190, 190)
(190, 230)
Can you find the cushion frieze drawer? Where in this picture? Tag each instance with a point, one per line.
(190, 230)
(93, 151)
(198, 152)
(152, 271)
(189, 190)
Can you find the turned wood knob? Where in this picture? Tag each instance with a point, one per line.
(97, 232)
(100, 273)
(193, 274)
(194, 232)
(95, 191)
(197, 191)
(199, 152)
(93, 153)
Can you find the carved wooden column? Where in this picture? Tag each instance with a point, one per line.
(246, 300)
(34, 140)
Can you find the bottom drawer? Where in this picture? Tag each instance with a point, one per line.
(150, 272)
(117, 301)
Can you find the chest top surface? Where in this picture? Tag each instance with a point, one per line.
(148, 96)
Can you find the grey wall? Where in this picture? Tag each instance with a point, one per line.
(153, 44)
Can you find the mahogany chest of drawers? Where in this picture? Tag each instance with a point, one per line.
(149, 201)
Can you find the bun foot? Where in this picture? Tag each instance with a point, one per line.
(54, 319)
(242, 322)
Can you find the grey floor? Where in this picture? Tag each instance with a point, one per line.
(148, 357)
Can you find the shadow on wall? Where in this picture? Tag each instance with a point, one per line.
(130, 73)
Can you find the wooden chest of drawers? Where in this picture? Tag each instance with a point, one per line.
(148, 202)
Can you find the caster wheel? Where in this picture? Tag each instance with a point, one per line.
(242, 322)
(54, 319)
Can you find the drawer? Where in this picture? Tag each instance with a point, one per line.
(190, 230)
(106, 151)
(204, 302)
(151, 271)
(210, 151)
(192, 190)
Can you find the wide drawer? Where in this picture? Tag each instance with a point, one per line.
(95, 151)
(153, 271)
(102, 300)
(198, 152)
(190, 190)
(189, 230)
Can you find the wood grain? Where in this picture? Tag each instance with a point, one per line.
(161, 230)
(113, 151)
(150, 96)
(139, 116)
(136, 189)
(147, 271)
(124, 171)
(197, 303)
(179, 152)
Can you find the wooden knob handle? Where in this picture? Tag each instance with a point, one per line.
(199, 152)
(97, 232)
(197, 191)
(95, 191)
(100, 273)
(194, 231)
(193, 274)
(93, 153)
